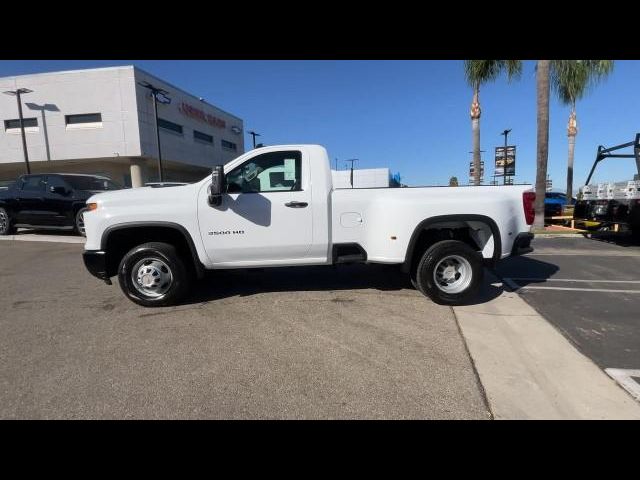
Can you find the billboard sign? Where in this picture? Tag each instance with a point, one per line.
(481, 169)
(505, 167)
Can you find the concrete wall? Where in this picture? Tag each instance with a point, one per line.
(183, 147)
(108, 91)
(362, 178)
(126, 136)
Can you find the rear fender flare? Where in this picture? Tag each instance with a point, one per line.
(425, 224)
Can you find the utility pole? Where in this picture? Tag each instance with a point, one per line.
(17, 94)
(155, 91)
(352, 160)
(504, 176)
(253, 135)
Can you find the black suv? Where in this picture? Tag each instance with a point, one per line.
(49, 201)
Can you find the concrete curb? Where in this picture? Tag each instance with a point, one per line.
(558, 235)
(43, 238)
(530, 371)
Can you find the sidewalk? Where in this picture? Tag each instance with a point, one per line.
(27, 236)
(530, 371)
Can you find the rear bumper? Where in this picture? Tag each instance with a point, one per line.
(522, 244)
(96, 263)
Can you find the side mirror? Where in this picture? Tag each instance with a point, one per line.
(60, 190)
(217, 186)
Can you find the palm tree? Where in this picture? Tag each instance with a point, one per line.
(476, 73)
(542, 87)
(568, 76)
(571, 79)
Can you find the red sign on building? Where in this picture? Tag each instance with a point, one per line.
(193, 112)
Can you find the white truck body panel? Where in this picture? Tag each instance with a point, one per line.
(258, 230)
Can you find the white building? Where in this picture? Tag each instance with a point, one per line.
(101, 121)
(362, 178)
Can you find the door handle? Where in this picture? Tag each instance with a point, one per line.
(296, 204)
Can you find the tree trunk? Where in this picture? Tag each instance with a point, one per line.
(572, 131)
(475, 127)
(572, 146)
(542, 81)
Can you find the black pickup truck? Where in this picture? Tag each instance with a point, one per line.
(49, 201)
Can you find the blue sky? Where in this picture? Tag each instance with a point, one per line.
(410, 116)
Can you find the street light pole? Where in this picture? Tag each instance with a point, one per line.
(352, 160)
(254, 135)
(155, 115)
(17, 94)
(155, 91)
(504, 176)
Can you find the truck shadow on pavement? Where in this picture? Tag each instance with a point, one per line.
(221, 284)
(621, 239)
(523, 267)
(385, 278)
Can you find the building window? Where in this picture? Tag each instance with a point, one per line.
(15, 123)
(84, 120)
(167, 125)
(229, 145)
(202, 137)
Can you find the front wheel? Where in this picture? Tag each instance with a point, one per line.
(450, 272)
(79, 225)
(152, 274)
(6, 226)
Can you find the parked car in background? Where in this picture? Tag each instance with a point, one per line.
(553, 203)
(164, 184)
(4, 185)
(50, 201)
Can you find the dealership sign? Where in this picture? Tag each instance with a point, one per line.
(505, 161)
(193, 112)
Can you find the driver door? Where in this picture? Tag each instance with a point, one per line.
(266, 213)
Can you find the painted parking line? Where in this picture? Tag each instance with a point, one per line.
(571, 280)
(625, 378)
(513, 285)
(584, 254)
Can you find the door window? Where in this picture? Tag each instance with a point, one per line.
(269, 172)
(33, 184)
(54, 181)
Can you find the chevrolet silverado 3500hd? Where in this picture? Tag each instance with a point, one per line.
(276, 206)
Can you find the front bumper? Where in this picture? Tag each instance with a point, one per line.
(522, 244)
(96, 263)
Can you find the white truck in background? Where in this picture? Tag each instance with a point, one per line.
(276, 206)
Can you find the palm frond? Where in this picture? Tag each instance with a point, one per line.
(571, 79)
(477, 72)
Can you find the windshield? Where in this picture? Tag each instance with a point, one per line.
(90, 183)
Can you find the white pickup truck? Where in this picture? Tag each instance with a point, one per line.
(276, 206)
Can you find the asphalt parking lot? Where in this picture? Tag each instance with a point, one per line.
(589, 289)
(322, 342)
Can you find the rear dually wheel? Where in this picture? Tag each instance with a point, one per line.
(449, 272)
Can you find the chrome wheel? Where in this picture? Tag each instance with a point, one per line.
(80, 222)
(151, 277)
(452, 274)
(4, 222)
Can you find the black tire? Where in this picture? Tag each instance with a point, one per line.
(6, 224)
(78, 226)
(150, 256)
(451, 252)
